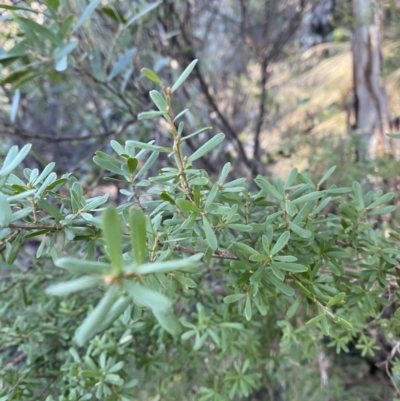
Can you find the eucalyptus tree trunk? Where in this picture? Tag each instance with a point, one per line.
(371, 110)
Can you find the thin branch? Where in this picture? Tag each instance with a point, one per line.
(190, 56)
(26, 133)
(260, 120)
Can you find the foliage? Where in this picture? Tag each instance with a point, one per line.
(195, 286)
(273, 251)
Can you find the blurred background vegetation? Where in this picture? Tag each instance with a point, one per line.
(280, 78)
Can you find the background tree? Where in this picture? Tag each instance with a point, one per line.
(371, 108)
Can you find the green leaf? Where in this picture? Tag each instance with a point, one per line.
(258, 275)
(61, 53)
(267, 187)
(394, 136)
(47, 182)
(158, 100)
(165, 197)
(107, 165)
(291, 209)
(5, 211)
(149, 146)
(309, 197)
(358, 194)
(185, 281)
(184, 204)
(338, 190)
(278, 272)
(118, 307)
(69, 287)
(95, 202)
(137, 225)
(211, 196)
(142, 12)
(168, 321)
(301, 232)
(232, 325)
(315, 319)
(336, 300)
(14, 250)
(35, 31)
(122, 62)
(149, 162)
(240, 227)
(15, 76)
(380, 201)
(245, 249)
(344, 323)
(384, 210)
(151, 75)
(16, 8)
(210, 235)
(54, 4)
(291, 178)
(280, 244)
(14, 158)
(321, 205)
(258, 257)
(86, 13)
(92, 324)
(200, 131)
(291, 267)
(247, 308)
(75, 265)
(224, 173)
(184, 76)
(14, 105)
(281, 286)
(200, 340)
(113, 238)
(207, 147)
(233, 298)
(166, 267)
(326, 176)
(285, 258)
(146, 296)
(114, 14)
(294, 307)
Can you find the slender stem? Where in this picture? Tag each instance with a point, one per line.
(177, 149)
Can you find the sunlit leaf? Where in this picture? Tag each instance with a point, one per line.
(5, 211)
(69, 287)
(113, 238)
(83, 266)
(146, 297)
(184, 76)
(281, 242)
(207, 147)
(86, 13)
(137, 225)
(210, 235)
(93, 322)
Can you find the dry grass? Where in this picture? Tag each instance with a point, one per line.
(314, 93)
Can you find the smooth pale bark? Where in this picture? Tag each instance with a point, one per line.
(371, 109)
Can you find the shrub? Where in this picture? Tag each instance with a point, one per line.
(195, 287)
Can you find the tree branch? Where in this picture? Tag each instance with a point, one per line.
(25, 133)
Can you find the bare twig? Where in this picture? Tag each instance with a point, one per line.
(26, 133)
